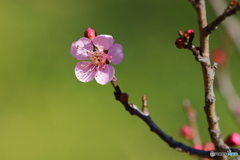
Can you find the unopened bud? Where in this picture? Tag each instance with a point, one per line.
(198, 147)
(124, 97)
(90, 33)
(233, 139)
(232, 3)
(189, 34)
(219, 56)
(186, 132)
(179, 43)
(208, 146)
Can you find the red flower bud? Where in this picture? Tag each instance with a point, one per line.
(124, 97)
(219, 56)
(189, 34)
(90, 33)
(187, 132)
(208, 146)
(179, 43)
(233, 139)
(197, 146)
(232, 3)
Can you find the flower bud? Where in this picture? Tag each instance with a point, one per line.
(187, 132)
(208, 146)
(179, 43)
(197, 146)
(233, 139)
(189, 34)
(124, 97)
(232, 3)
(219, 56)
(90, 33)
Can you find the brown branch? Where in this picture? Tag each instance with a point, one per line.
(145, 116)
(194, 3)
(196, 52)
(208, 76)
(230, 10)
(202, 23)
(231, 24)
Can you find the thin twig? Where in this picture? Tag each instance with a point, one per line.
(133, 110)
(227, 12)
(231, 24)
(192, 120)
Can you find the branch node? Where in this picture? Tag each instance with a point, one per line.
(203, 59)
(215, 65)
(216, 131)
(211, 99)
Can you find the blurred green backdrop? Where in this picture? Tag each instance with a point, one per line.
(47, 114)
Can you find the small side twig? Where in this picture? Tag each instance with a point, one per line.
(231, 9)
(192, 119)
(145, 116)
(231, 24)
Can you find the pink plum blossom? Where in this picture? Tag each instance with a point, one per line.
(98, 52)
(187, 132)
(233, 139)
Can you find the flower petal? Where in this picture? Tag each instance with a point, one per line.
(85, 71)
(103, 41)
(80, 48)
(115, 54)
(105, 75)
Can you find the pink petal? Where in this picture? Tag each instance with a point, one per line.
(115, 53)
(85, 71)
(80, 48)
(105, 75)
(105, 41)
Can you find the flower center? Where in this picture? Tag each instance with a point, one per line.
(98, 57)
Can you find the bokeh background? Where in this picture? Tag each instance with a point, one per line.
(47, 114)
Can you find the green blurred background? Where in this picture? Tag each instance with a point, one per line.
(47, 114)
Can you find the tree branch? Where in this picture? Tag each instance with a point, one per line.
(231, 24)
(227, 12)
(208, 76)
(145, 116)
